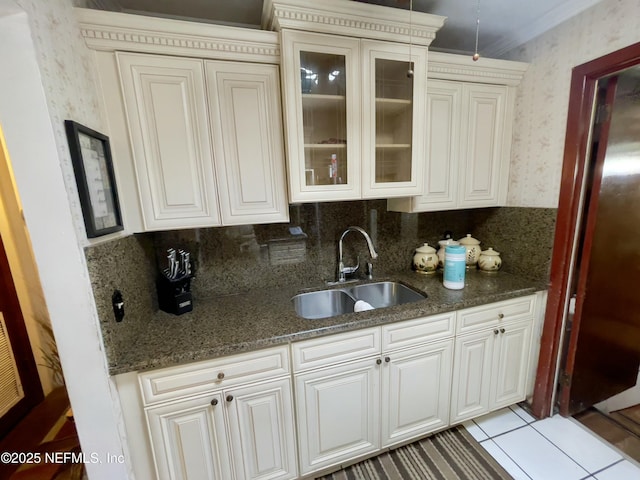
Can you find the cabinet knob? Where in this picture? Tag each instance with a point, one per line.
(496, 331)
(501, 316)
(214, 402)
(502, 330)
(387, 359)
(229, 398)
(379, 361)
(220, 376)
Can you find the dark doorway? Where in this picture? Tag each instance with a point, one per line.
(19, 382)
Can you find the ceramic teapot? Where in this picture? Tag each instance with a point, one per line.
(425, 259)
(443, 244)
(472, 246)
(489, 261)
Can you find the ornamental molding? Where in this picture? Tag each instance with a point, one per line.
(352, 19)
(445, 66)
(109, 31)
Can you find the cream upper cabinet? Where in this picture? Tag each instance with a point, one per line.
(166, 107)
(246, 128)
(468, 134)
(353, 117)
(393, 119)
(322, 110)
(206, 139)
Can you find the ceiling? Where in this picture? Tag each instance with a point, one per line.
(504, 24)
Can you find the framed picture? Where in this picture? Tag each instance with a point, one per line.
(93, 168)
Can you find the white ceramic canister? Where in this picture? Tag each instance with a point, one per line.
(425, 259)
(489, 261)
(443, 244)
(454, 267)
(473, 249)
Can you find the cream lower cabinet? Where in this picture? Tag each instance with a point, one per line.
(491, 358)
(362, 391)
(240, 431)
(206, 140)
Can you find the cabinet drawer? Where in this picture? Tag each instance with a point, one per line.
(418, 331)
(339, 348)
(495, 313)
(176, 382)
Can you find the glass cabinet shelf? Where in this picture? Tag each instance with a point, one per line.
(326, 146)
(393, 106)
(391, 146)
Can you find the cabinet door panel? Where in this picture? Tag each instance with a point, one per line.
(189, 441)
(443, 146)
(416, 385)
(166, 109)
(472, 376)
(322, 105)
(338, 413)
(262, 432)
(483, 161)
(393, 120)
(511, 365)
(246, 123)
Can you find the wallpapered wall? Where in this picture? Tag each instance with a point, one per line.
(68, 78)
(543, 95)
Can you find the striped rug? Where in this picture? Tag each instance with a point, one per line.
(449, 455)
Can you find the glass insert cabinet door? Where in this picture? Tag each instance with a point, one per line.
(394, 118)
(322, 105)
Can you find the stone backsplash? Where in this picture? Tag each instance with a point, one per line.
(229, 260)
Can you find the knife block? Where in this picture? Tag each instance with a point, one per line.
(174, 296)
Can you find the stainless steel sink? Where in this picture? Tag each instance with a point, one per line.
(385, 294)
(323, 304)
(329, 303)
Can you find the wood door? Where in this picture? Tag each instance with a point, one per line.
(246, 126)
(20, 388)
(338, 413)
(262, 430)
(603, 354)
(416, 386)
(166, 107)
(189, 441)
(470, 392)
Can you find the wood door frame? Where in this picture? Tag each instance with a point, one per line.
(583, 86)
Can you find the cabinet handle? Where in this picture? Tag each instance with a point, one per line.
(220, 376)
(387, 359)
(214, 402)
(496, 331)
(379, 361)
(501, 316)
(229, 398)
(502, 330)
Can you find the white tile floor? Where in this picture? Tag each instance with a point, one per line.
(555, 448)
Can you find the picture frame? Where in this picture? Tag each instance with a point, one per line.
(95, 178)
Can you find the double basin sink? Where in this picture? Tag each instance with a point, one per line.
(332, 302)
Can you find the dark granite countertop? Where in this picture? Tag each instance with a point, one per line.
(223, 325)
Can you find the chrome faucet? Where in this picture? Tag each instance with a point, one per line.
(344, 271)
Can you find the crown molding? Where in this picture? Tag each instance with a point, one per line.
(340, 17)
(111, 31)
(554, 17)
(446, 66)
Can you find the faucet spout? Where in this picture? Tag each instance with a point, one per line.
(342, 270)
